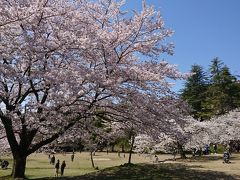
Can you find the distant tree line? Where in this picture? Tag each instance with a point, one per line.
(213, 92)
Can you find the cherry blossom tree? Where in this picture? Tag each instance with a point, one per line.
(224, 129)
(192, 134)
(60, 61)
(143, 143)
(219, 130)
(182, 135)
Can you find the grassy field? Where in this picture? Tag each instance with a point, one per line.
(38, 164)
(208, 167)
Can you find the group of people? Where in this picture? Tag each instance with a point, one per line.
(226, 153)
(205, 150)
(57, 165)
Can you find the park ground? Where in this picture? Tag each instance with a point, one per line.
(112, 167)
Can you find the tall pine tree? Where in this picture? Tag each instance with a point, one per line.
(223, 93)
(194, 91)
(211, 95)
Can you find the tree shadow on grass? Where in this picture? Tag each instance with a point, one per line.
(153, 172)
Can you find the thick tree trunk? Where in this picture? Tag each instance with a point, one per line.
(21, 150)
(19, 166)
(181, 151)
(131, 150)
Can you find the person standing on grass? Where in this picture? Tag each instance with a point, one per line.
(52, 160)
(63, 165)
(156, 159)
(57, 165)
(174, 153)
(215, 148)
(72, 157)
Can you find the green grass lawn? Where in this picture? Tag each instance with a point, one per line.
(111, 167)
(38, 165)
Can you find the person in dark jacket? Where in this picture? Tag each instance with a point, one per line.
(52, 160)
(63, 165)
(57, 165)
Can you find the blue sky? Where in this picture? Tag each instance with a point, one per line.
(204, 29)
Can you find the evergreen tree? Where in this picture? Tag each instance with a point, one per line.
(213, 95)
(194, 91)
(223, 93)
(215, 70)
